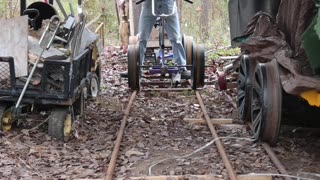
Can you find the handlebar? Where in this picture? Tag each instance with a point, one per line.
(140, 1)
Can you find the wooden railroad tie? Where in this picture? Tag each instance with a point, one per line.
(199, 177)
(216, 121)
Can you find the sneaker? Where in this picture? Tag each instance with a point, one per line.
(185, 74)
(176, 78)
(124, 74)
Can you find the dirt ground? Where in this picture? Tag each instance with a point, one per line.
(157, 140)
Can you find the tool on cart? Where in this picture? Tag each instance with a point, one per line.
(45, 43)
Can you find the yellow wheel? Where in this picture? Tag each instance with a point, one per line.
(6, 118)
(67, 125)
(60, 123)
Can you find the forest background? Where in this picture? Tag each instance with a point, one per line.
(206, 20)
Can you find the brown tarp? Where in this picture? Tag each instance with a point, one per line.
(281, 39)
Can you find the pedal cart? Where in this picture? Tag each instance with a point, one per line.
(161, 67)
(53, 66)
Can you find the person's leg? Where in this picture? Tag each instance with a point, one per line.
(146, 22)
(179, 55)
(173, 30)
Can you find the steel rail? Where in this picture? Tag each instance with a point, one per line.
(273, 157)
(112, 163)
(275, 160)
(220, 147)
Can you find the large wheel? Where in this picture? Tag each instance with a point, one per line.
(245, 75)
(266, 102)
(198, 67)
(188, 47)
(134, 67)
(94, 86)
(60, 123)
(6, 118)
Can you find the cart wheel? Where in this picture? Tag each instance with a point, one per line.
(79, 104)
(222, 80)
(133, 67)
(94, 88)
(198, 67)
(133, 40)
(266, 102)
(60, 123)
(245, 74)
(6, 118)
(188, 47)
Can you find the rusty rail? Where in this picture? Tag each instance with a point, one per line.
(275, 160)
(220, 147)
(231, 173)
(112, 163)
(273, 157)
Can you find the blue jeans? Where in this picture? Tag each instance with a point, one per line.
(172, 28)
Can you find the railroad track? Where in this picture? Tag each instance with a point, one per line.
(217, 140)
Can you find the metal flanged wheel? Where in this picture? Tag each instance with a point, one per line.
(94, 86)
(266, 102)
(6, 118)
(188, 47)
(198, 67)
(133, 40)
(60, 123)
(222, 80)
(134, 67)
(245, 74)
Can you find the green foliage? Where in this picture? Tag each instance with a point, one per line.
(217, 35)
(224, 52)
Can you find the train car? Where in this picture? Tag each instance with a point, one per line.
(278, 41)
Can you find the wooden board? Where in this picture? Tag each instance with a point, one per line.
(203, 121)
(14, 42)
(199, 177)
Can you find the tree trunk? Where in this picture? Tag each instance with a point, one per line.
(10, 7)
(204, 19)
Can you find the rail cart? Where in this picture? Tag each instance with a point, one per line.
(195, 55)
(279, 40)
(66, 75)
